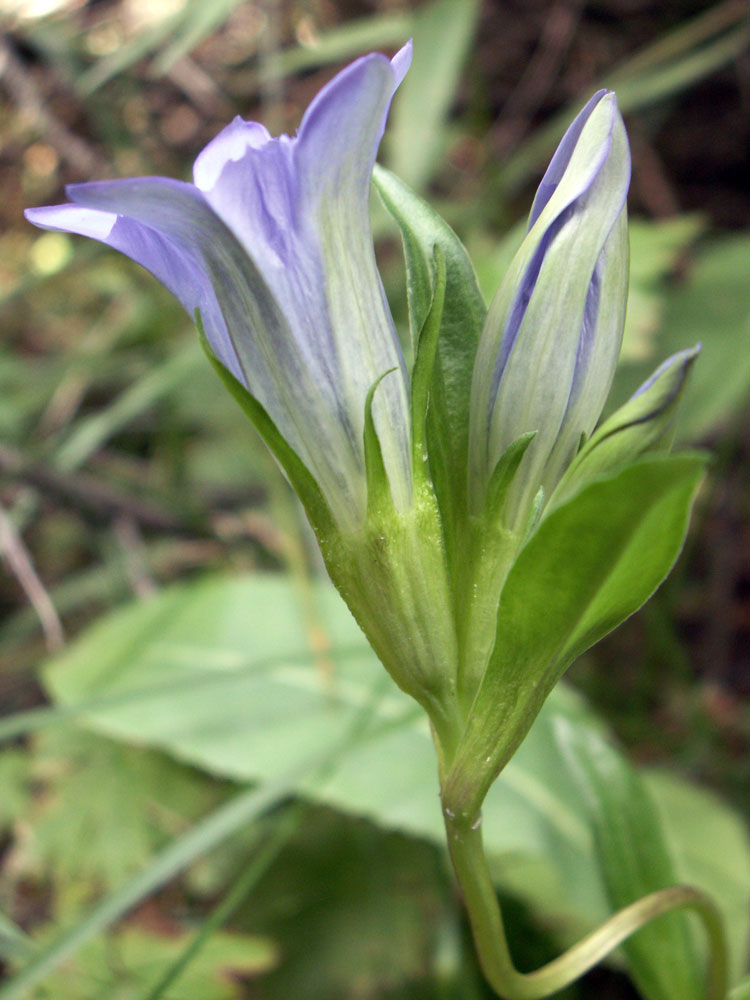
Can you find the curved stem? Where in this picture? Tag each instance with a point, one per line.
(470, 864)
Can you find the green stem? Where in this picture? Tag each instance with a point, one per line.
(470, 864)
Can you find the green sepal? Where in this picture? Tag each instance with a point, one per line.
(463, 317)
(424, 365)
(644, 423)
(300, 477)
(378, 488)
(588, 566)
(503, 475)
(489, 550)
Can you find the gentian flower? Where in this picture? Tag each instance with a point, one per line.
(420, 476)
(478, 579)
(272, 245)
(271, 248)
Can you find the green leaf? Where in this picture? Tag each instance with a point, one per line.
(741, 990)
(124, 820)
(645, 423)
(590, 564)
(503, 475)
(346, 40)
(349, 929)
(209, 832)
(14, 944)
(227, 674)
(378, 490)
(634, 859)
(422, 230)
(711, 849)
(424, 365)
(442, 32)
(123, 966)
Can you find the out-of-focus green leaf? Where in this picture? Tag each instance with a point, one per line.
(359, 915)
(133, 800)
(346, 41)
(713, 307)
(14, 944)
(14, 782)
(655, 248)
(635, 861)
(209, 832)
(124, 965)
(741, 990)
(91, 433)
(710, 306)
(711, 850)
(221, 673)
(442, 31)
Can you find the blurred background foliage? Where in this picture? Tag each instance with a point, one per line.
(124, 468)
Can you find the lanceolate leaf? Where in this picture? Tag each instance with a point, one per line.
(422, 230)
(223, 673)
(589, 565)
(634, 859)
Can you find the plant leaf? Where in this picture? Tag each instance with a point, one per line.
(634, 860)
(711, 850)
(227, 674)
(442, 32)
(590, 564)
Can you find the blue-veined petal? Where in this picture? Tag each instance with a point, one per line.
(178, 268)
(301, 208)
(552, 337)
(273, 244)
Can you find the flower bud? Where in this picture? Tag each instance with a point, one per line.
(644, 423)
(553, 332)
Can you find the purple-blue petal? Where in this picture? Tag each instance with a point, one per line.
(683, 359)
(176, 265)
(273, 245)
(559, 162)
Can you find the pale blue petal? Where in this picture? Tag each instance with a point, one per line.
(559, 162)
(550, 344)
(176, 264)
(300, 207)
(273, 245)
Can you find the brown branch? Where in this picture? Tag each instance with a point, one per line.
(21, 565)
(95, 498)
